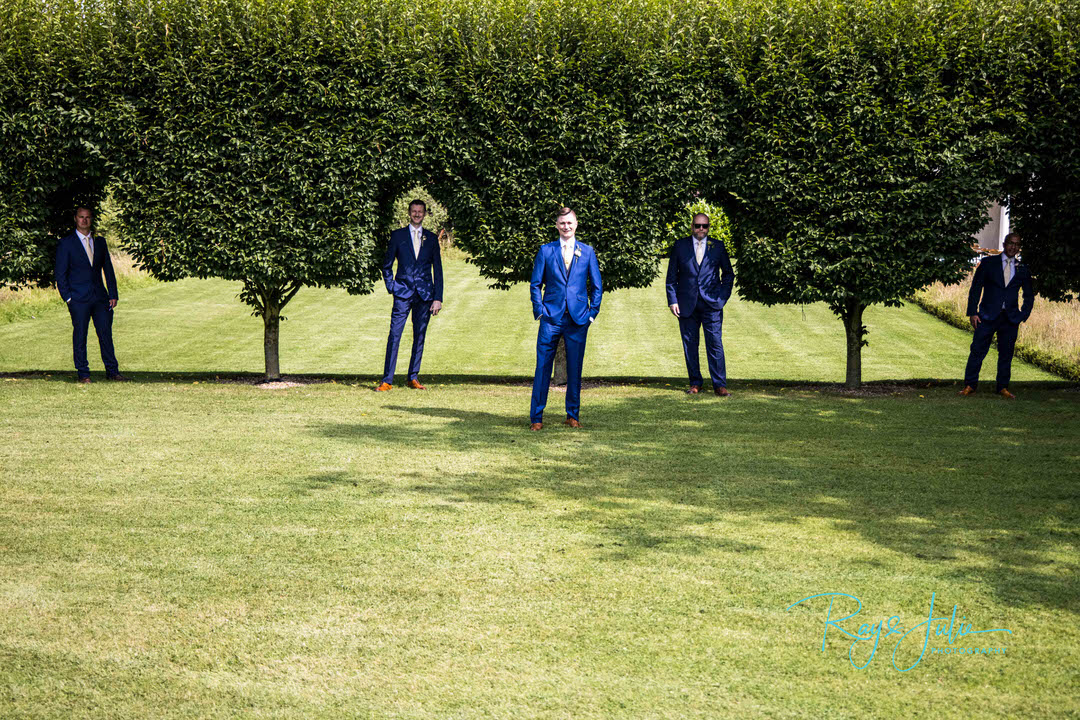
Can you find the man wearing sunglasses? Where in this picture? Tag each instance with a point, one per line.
(699, 283)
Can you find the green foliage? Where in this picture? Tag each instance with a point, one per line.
(872, 136)
(50, 134)
(1044, 199)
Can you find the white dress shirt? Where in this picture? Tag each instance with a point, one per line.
(699, 248)
(417, 237)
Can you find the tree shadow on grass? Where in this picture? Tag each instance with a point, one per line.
(988, 489)
(676, 384)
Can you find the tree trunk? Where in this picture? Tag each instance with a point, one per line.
(856, 332)
(560, 363)
(271, 324)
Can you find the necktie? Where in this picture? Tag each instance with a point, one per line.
(416, 243)
(699, 250)
(567, 255)
(1008, 271)
(90, 249)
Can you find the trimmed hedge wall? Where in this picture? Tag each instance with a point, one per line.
(853, 145)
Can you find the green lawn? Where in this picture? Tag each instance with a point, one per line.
(178, 547)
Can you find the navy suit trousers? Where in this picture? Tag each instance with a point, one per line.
(421, 313)
(689, 326)
(1006, 336)
(547, 341)
(102, 315)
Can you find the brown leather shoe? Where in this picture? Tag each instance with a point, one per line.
(415, 385)
(117, 377)
(83, 381)
(1004, 392)
(722, 391)
(384, 387)
(536, 426)
(694, 390)
(571, 422)
(968, 390)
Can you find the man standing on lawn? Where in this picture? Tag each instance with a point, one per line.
(80, 260)
(699, 283)
(570, 276)
(999, 280)
(417, 289)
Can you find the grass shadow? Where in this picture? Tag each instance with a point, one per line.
(651, 475)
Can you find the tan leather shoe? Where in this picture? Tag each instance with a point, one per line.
(968, 390)
(722, 391)
(415, 385)
(1004, 392)
(384, 387)
(84, 381)
(694, 390)
(571, 422)
(117, 377)
(536, 426)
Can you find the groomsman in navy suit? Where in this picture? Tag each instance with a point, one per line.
(80, 260)
(569, 274)
(417, 289)
(999, 280)
(699, 282)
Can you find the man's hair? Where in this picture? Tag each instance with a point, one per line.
(75, 212)
(563, 211)
(419, 202)
(1014, 236)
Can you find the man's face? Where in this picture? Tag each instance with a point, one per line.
(417, 213)
(83, 220)
(1012, 246)
(701, 226)
(567, 225)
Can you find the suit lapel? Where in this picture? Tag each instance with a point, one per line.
(80, 250)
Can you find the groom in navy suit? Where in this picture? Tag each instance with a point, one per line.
(569, 274)
(80, 260)
(417, 289)
(699, 282)
(998, 279)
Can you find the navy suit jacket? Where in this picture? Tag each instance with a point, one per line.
(566, 291)
(712, 280)
(989, 281)
(76, 278)
(420, 276)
